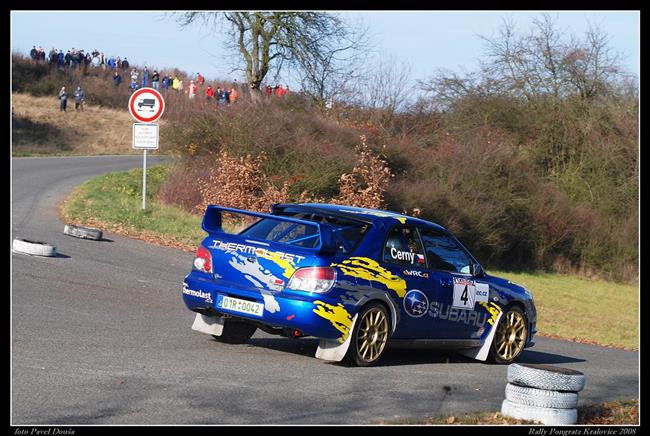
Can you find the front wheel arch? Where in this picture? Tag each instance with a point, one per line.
(511, 331)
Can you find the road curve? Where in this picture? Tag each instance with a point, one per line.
(100, 336)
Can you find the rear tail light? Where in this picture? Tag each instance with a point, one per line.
(203, 260)
(313, 279)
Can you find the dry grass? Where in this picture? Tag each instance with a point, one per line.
(39, 127)
(621, 412)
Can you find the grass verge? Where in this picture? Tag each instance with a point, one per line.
(620, 412)
(113, 202)
(569, 307)
(582, 309)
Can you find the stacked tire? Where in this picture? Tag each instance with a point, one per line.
(544, 393)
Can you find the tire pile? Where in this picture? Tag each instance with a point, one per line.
(544, 393)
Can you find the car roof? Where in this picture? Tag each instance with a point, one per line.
(361, 214)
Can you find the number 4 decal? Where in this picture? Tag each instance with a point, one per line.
(464, 294)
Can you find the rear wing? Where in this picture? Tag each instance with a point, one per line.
(212, 223)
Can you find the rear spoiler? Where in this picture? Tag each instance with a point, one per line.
(212, 224)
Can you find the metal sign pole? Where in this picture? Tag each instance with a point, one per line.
(144, 180)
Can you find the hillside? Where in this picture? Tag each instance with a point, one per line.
(40, 128)
(536, 183)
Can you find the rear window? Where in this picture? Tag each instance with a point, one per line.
(347, 234)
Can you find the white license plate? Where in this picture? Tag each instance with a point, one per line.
(237, 305)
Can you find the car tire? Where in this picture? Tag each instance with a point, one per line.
(82, 232)
(235, 332)
(512, 324)
(545, 415)
(369, 336)
(33, 248)
(552, 378)
(541, 397)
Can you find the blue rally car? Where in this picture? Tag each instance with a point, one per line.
(357, 279)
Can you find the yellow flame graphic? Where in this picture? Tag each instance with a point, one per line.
(337, 315)
(368, 269)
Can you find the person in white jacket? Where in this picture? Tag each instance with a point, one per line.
(191, 89)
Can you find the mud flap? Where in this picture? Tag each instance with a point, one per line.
(334, 350)
(481, 353)
(211, 325)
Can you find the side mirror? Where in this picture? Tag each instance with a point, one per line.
(477, 270)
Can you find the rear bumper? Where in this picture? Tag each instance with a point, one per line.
(314, 315)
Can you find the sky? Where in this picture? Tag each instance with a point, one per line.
(424, 40)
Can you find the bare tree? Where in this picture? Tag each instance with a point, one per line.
(268, 41)
(543, 63)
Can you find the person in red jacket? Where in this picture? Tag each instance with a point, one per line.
(209, 93)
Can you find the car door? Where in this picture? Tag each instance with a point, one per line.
(458, 295)
(403, 255)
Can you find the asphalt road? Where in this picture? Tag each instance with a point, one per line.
(100, 336)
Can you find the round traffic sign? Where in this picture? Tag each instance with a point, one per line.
(146, 105)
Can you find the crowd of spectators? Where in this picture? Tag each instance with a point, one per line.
(220, 93)
(74, 58)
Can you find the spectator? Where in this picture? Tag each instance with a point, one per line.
(145, 77)
(175, 83)
(118, 63)
(117, 79)
(68, 59)
(63, 96)
(134, 75)
(95, 62)
(95, 53)
(102, 61)
(233, 95)
(268, 91)
(209, 93)
(53, 56)
(73, 58)
(79, 99)
(125, 64)
(223, 96)
(191, 89)
(133, 86)
(200, 79)
(111, 63)
(33, 53)
(155, 79)
(60, 59)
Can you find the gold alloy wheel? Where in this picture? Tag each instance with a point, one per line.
(511, 335)
(372, 335)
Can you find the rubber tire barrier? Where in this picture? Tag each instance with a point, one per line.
(33, 248)
(551, 378)
(545, 415)
(82, 232)
(541, 398)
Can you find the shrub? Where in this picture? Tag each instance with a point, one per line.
(366, 185)
(239, 182)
